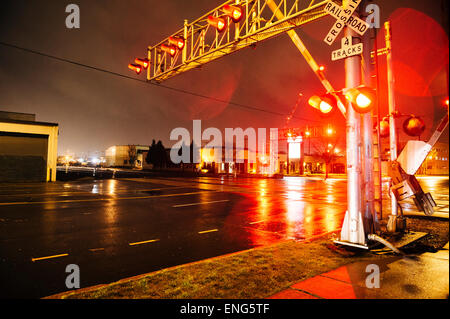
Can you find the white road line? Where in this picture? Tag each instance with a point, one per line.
(202, 203)
(106, 199)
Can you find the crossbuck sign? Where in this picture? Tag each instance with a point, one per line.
(344, 17)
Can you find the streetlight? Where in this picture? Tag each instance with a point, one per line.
(308, 136)
(330, 131)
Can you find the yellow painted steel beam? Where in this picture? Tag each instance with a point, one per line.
(203, 43)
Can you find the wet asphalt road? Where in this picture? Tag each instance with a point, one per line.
(120, 228)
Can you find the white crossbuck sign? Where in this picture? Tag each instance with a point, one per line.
(344, 17)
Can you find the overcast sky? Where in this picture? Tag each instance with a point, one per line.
(97, 110)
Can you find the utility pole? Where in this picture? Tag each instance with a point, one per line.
(392, 222)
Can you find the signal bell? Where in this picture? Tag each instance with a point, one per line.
(414, 126)
(384, 128)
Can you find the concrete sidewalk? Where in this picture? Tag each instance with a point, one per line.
(424, 276)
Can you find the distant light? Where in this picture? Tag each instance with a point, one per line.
(321, 68)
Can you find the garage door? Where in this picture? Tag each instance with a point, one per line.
(23, 157)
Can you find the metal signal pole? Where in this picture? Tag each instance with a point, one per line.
(392, 113)
(369, 173)
(353, 227)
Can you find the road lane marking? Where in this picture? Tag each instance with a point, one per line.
(48, 257)
(208, 231)
(105, 199)
(260, 221)
(202, 203)
(96, 249)
(143, 242)
(102, 192)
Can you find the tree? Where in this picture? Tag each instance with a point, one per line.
(161, 155)
(157, 155)
(151, 154)
(132, 154)
(325, 149)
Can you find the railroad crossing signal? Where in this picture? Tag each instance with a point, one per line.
(344, 18)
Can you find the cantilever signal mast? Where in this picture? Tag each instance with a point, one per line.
(232, 26)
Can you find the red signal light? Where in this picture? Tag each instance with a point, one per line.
(219, 23)
(178, 42)
(324, 104)
(414, 126)
(235, 13)
(362, 98)
(142, 62)
(136, 68)
(171, 49)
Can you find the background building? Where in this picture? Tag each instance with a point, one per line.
(436, 162)
(28, 149)
(131, 156)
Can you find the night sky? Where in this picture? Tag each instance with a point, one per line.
(96, 110)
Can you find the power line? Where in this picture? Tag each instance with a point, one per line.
(253, 108)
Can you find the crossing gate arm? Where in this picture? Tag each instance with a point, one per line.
(415, 152)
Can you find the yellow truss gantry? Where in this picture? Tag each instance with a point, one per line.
(203, 43)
